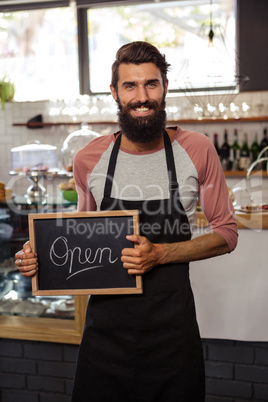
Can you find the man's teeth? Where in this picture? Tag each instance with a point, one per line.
(141, 109)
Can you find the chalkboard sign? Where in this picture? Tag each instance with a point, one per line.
(80, 253)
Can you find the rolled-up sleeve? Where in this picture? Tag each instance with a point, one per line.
(86, 201)
(215, 200)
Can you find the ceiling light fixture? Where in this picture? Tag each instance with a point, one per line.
(211, 79)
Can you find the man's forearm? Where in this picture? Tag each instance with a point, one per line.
(202, 247)
(146, 255)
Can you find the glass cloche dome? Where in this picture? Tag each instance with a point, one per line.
(75, 141)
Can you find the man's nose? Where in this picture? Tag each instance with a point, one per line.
(141, 94)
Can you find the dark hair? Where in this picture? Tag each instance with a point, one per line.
(138, 53)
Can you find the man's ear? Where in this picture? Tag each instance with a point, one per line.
(113, 91)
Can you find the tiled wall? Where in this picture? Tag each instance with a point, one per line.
(13, 136)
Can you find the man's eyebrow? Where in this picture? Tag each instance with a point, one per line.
(128, 83)
(152, 81)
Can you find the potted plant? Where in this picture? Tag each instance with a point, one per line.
(7, 91)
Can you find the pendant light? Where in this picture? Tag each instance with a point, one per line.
(211, 79)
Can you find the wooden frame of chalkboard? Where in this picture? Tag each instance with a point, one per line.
(80, 253)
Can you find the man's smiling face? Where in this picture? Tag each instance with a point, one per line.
(140, 95)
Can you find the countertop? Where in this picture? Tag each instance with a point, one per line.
(245, 220)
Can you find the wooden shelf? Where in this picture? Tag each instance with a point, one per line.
(221, 120)
(62, 123)
(242, 173)
(181, 121)
(254, 220)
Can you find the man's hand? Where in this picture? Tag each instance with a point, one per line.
(26, 260)
(143, 257)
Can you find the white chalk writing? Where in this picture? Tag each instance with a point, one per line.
(61, 255)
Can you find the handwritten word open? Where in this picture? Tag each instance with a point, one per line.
(70, 255)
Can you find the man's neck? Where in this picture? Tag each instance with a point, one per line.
(140, 146)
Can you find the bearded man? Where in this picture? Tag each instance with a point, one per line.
(147, 347)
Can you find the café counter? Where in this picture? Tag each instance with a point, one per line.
(254, 220)
(231, 291)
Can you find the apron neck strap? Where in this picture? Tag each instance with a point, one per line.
(173, 184)
(111, 167)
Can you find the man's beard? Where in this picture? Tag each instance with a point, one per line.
(143, 129)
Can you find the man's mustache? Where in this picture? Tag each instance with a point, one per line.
(148, 104)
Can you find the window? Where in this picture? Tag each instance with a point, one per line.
(38, 52)
(58, 51)
(178, 28)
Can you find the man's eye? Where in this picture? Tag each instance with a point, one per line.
(152, 85)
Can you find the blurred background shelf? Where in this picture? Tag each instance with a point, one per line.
(181, 121)
(242, 173)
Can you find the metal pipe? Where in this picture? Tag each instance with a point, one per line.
(262, 152)
(256, 162)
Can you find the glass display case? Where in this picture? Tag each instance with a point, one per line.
(23, 316)
(75, 141)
